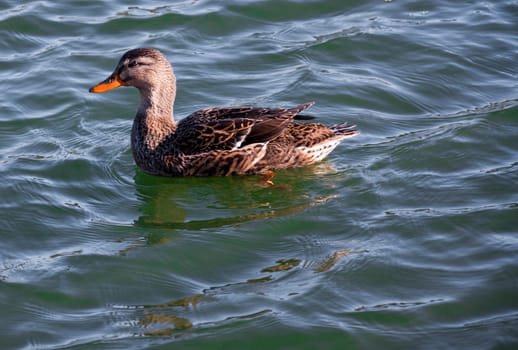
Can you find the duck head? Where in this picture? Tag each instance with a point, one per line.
(149, 71)
(143, 68)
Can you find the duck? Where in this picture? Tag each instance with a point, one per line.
(218, 141)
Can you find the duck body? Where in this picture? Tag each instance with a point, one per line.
(215, 141)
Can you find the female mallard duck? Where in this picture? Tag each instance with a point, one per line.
(214, 141)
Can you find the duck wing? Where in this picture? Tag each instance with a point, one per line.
(229, 128)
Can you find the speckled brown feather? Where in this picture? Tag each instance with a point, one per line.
(214, 141)
(230, 128)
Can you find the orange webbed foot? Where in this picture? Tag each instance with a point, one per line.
(266, 180)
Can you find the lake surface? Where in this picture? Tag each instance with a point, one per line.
(405, 237)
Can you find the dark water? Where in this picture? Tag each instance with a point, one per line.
(405, 237)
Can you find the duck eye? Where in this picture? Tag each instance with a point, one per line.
(133, 64)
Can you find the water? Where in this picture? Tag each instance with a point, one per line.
(405, 237)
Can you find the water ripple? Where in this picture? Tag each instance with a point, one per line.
(405, 235)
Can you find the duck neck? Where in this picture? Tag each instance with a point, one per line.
(157, 102)
(153, 124)
(154, 120)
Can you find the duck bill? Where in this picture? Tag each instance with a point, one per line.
(111, 83)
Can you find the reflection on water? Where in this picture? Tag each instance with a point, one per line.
(282, 265)
(176, 204)
(163, 319)
(199, 203)
(168, 320)
(167, 203)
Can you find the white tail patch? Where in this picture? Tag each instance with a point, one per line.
(320, 151)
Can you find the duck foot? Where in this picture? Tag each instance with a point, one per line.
(266, 180)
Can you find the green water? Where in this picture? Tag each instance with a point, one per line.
(405, 237)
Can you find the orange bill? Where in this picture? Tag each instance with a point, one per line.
(111, 83)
